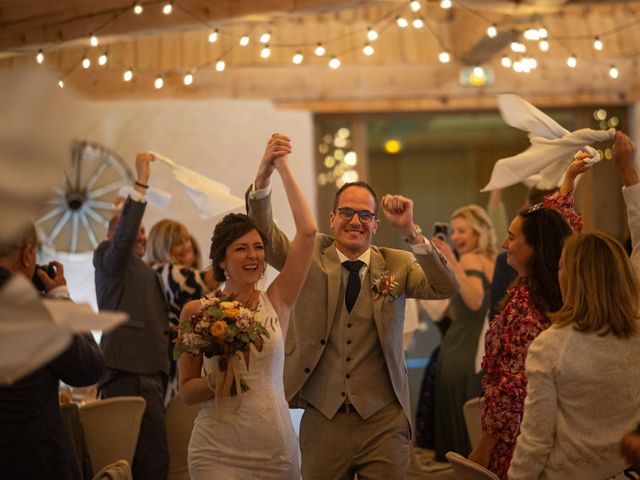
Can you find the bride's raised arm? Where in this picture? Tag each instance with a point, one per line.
(284, 290)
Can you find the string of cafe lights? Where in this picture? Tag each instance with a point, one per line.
(408, 15)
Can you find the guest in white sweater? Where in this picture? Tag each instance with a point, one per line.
(583, 383)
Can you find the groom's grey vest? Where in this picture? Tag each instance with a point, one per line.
(352, 365)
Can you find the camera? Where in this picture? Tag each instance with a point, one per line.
(51, 272)
(441, 231)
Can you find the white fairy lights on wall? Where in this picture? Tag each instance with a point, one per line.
(339, 160)
(522, 63)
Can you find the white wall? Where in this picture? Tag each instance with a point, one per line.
(222, 139)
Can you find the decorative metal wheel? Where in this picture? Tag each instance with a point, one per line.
(81, 210)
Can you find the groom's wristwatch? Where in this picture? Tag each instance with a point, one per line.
(417, 231)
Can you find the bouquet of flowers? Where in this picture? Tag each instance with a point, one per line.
(224, 327)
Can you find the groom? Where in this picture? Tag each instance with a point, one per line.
(344, 360)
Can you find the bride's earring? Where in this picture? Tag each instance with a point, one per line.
(264, 269)
(226, 274)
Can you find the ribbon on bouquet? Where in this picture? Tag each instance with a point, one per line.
(232, 384)
(552, 146)
(211, 198)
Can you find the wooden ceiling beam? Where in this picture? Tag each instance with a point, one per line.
(45, 24)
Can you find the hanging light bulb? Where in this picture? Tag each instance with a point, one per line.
(418, 23)
(320, 50)
(244, 40)
(40, 56)
(188, 79)
(506, 62)
(542, 32)
(444, 57)
(446, 4)
(517, 66)
(167, 9)
(402, 22)
(93, 40)
(265, 52)
(128, 74)
(86, 63)
(613, 72)
(572, 61)
(159, 83)
(414, 5)
(368, 50)
(532, 34)
(597, 43)
(60, 83)
(220, 65)
(543, 45)
(102, 59)
(137, 8)
(213, 36)
(517, 47)
(265, 37)
(335, 63)
(492, 31)
(297, 58)
(372, 34)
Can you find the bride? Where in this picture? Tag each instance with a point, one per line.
(251, 437)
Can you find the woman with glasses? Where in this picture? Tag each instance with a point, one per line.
(457, 381)
(533, 249)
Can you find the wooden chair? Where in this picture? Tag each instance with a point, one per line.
(111, 427)
(179, 421)
(472, 411)
(465, 469)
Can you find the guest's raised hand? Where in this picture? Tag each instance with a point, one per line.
(624, 151)
(278, 146)
(58, 279)
(398, 211)
(578, 166)
(143, 169)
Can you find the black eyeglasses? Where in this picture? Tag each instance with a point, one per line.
(365, 216)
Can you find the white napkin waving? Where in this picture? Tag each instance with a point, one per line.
(34, 331)
(551, 147)
(211, 198)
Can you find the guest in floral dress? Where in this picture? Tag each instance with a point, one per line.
(533, 249)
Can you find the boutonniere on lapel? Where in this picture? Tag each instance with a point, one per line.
(385, 286)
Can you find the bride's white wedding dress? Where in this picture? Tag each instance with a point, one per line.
(256, 441)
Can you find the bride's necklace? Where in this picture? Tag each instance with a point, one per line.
(249, 299)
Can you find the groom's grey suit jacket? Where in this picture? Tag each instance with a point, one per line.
(315, 310)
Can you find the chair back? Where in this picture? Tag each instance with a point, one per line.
(472, 411)
(179, 421)
(119, 470)
(111, 427)
(465, 469)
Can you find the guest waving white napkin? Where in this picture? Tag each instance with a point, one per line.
(552, 146)
(211, 198)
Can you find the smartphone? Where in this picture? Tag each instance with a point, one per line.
(441, 231)
(51, 271)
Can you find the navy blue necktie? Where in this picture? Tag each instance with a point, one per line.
(353, 284)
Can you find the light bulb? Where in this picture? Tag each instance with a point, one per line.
(414, 5)
(517, 66)
(188, 79)
(167, 9)
(213, 36)
(40, 56)
(102, 59)
(613, 72)
(86, 63)
(417, 23)
(368, 50)
(159, 83)
(372, 34)
(492, 31)
(265, 52)
(506, 62)
(137, 8)
(320, 50)
(597, 43)
(127, 75)
(446, 4)
(542, 32)
(244, 40)
(402, 22)
(297, 58)
(335, 63)
(265, 37)
(93, 41)
(532, 34)
(60, 83)
(572, 61)
(220, 65)
(543, 45)
(444, 57)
